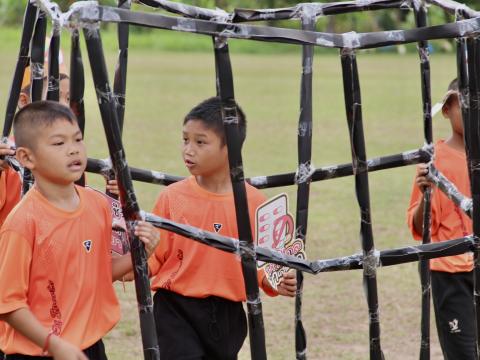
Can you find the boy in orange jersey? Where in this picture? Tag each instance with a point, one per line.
(452, 277)
(199, 289)
(56, 270)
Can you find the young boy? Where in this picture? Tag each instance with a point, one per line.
(199, 289)
(452, 278)
(56, 271)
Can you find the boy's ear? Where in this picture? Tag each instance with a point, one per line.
(445, 111)
(23, 100)
(25, 157)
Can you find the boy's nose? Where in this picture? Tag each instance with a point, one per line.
(74, 150)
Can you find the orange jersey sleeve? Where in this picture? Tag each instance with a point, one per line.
(10, 191)
(58, 264)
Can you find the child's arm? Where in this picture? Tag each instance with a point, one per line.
(422, 182)
(287, 286)
(23, 321)
(112, 187)
(149, 235)
(5, 150)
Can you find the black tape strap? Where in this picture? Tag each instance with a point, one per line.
(85, 15)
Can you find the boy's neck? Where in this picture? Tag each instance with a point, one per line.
(456, 142)
(62, 196)
(218, 183)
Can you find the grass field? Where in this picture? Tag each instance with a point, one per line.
(163, 86)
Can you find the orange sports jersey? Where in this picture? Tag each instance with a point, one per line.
(193, 269)
(448, 221)
(58, 264)
(10, 191)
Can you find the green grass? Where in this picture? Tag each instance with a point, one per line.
(163, 86)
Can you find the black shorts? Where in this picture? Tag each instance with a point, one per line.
(94, 352)
(452, 295)
(192, 328)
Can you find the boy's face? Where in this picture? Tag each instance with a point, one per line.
(453, 112)
(203, 152)
(57, 154)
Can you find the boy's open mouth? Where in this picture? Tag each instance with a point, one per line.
(75, 165)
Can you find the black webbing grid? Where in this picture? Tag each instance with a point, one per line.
(470, 97)
(423, 265)
(130, 208)
(382, 258)
(249, 262)
(353, 106)
(305, 129)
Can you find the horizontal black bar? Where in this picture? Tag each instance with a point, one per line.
(154, 177)
(89, 14)
(263, 182)
(450, 190)
(294, 12)
(353, 262)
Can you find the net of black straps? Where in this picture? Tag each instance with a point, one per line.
(86, 16)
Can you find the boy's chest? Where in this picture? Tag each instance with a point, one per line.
(67, 244)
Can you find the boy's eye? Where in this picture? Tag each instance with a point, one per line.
(79, 140)
(200, 142)
(58, 143)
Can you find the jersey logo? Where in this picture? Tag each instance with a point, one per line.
(217, 227)
(87, 244)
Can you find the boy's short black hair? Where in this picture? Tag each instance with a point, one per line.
(210, 113)
(32, 116)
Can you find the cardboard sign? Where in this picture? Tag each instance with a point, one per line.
(120, 244)
(275, 230)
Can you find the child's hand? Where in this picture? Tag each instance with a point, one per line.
(149, 235)
(112, 187)
(62, 350)
(421, 178)
(5, 150)
(288, 284)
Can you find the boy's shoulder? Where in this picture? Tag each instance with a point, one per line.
(253, 194)
(34, 209)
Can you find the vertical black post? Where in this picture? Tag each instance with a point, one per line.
(22, 62)
(53, 91)
(130, 208)
(77, 85)
(249, 263)
(423, 265)
(351, 88)
(77, 80)
(37, 57)
(120, 79)
(303, 174)
(469, 69)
